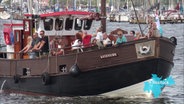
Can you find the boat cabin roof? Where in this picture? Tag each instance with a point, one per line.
(65, 13)
(62, 13)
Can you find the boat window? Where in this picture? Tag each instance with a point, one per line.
(78, 24)
(69, 23)
(48, 24)
(59, 23)
(87, 24)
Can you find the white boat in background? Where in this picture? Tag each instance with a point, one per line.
(118, 16)
(4, 15)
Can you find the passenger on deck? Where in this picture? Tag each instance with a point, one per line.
(132, 33)
(106, 41)
(43, 45)
(80, 32)
(35, 41)
(86, 39)
(57, 46)
(139, 36)
(28, 46)
(153, 31)
(99, 35)
(78, 42)
(99, 38)
(121, 38)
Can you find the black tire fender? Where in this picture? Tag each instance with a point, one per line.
(74, 70)
(173, 40)
(45, 78)
(16, 78)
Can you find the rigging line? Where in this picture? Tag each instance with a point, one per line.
(137, 17)
(56, 62)
(76, 58)
(47, 68)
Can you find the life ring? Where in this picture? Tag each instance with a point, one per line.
(144, 50)
(173, 40)
(74, 70)
(45, 78)
(16, 78)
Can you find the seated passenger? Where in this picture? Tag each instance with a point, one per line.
(99, 38)
(106, 41)
(78, 42)
(80, 32)
(57, 45)
(132, 33)
(86, 39)
(121, 38)
(139, 36)
(99, 35)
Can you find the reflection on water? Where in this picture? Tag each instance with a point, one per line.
(170, 95)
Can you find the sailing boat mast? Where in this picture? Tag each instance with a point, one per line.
(118, 5)
(74, 3)
(103, 15)
(30, 5)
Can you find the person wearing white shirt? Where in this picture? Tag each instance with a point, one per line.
(106, 41)
(78, 42)
(99, 38)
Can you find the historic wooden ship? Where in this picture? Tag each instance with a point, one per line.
(108, 71)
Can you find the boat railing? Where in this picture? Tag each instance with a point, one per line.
(73, 49)
(61, 51)
(9, 55)
(52, 52)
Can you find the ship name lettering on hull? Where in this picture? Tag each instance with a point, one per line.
(108, 55)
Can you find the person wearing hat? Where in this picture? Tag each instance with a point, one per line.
(121, 38)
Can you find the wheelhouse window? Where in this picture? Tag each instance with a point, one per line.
(78, 24)
(69, 23)
(59, 24)
(48, 24)
(87, 24)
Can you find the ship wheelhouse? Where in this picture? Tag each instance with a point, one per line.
(67, 24)
(63, 24)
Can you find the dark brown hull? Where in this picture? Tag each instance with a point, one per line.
(101, 71)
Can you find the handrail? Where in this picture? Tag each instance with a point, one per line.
(68, 50)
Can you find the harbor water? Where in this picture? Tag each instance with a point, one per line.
(170, 95)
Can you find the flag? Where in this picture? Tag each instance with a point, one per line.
(181, 9)
(12, 37)
(157, 21)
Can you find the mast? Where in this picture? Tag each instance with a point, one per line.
(74, 3)
(127, 5)
(30, 5)
(118, 5)
(103, 15)
(89, 5)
